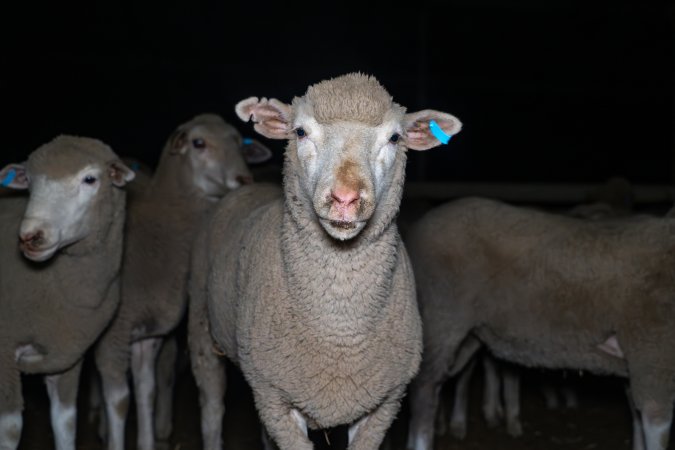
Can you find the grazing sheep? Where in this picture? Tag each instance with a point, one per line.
(312, 295)
(200, 163)
(55, 306)
(549, 291)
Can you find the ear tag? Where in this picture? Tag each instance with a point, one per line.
(135, 166)
(247, 141)
(438, 132)
(11, 174)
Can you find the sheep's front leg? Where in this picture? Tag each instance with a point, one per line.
(11, 404)
(492, 404)
(368, 432)
(62, 391)
(166, 380)
(143, 359)
(112, 361)
(286, 425)
(208, 369)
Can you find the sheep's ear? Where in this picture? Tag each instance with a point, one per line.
(271, 118)
(419, 134)
(14, 176)
(119, 173)
(255, 152)
(178, 142)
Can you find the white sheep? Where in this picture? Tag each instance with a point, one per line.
(546, 290)
(53, 307)
(201, 161)
(312, 294)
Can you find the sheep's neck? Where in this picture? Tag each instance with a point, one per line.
(339, 287)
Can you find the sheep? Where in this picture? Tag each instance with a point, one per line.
(201, 161)
(549, 291)
(311, 294)
(611, 200)
(57, 298)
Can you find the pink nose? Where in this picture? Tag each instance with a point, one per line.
(344, 197)
(33, 238)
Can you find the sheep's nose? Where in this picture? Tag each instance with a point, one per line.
(345, 197)
(31, 237)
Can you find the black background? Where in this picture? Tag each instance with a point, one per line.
(548, 90)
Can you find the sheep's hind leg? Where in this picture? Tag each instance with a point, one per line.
(426, 387)
(62, 391)
(460, 406)
(512, 400)
(143, 360)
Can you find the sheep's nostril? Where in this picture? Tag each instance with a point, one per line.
(244, 179)
(32, 238)
(345, 197)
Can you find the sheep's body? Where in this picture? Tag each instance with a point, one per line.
(547, 291)
(53, 311)
(313, 297)
(200, 163)
(610, 201)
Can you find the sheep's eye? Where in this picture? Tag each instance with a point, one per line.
(300, 132)
(89, 179)
(394, 138)
(198, 143)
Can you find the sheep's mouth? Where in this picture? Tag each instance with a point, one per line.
(343, 224)
(38, 254)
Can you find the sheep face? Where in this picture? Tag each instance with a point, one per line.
(347, 140)
(69, 180)
(344, 169)
(215, 155)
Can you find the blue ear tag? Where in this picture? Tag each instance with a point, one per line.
(135, 166)
(11, 174)
(248, 141)
(438, 132)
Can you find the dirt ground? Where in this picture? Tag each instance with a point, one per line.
(601, 422)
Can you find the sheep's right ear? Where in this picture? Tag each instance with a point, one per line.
(14, 176)
(119, 173)
(271, 118)
(255, 152)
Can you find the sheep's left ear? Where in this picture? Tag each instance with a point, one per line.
(255, 152)
(418, 133)
(14, 176)
(119, 173)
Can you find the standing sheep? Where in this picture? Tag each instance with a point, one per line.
(53, 307)
(312, 295)
(611, 200)
(550, 291)
(200, 163)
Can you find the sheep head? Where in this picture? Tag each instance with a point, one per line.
(68, 179)
(212, 155)
(347, 141)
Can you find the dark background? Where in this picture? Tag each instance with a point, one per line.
(552, 91)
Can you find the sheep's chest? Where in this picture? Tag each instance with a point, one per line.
(331, 383)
